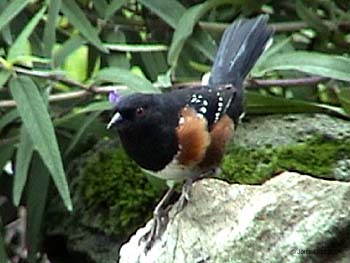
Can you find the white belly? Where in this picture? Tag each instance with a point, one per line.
(175, 171)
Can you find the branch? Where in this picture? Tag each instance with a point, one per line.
(279, 27)
(250, 84)
(69, 95)
(50, 76)
(261, 83)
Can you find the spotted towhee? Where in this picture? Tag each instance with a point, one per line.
(182, 134)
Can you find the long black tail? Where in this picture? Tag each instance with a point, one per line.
(241, 45)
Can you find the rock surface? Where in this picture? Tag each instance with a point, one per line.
(290, 218)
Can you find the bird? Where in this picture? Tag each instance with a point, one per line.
(181, 135)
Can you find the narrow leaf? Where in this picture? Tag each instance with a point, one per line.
(66, 49)
(281, 46)
(100, 6)
(203, 42)
(49, 38)
(266, 104)
(186, 25)
(344, 98)
(77, 137)
(11, 11)
(335, 67)
(16, 49)
(77, 17)
(311, 18)
(23, 156)
(168, 10)
(36, 119)
(113, 7)
(6, 30)
(4, 76)
(38, 186)
(92, 107)
(7, 118)
(6, 153)
(123, 76)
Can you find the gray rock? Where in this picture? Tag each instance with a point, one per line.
(278, 130)
(290, 218)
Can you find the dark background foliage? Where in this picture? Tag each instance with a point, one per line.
(59, 59)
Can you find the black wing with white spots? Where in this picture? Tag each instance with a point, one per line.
(212, 103)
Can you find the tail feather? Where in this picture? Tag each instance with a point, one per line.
(241, 45)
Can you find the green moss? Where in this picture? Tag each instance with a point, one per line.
(316, 157)
(118, 191)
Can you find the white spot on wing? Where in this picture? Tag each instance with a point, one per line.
(203, 110)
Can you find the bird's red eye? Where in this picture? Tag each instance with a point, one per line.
(140, 111)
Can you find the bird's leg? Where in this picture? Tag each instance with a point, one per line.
(185, 196)
(160, 220)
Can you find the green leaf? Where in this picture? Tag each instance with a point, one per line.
(12, 10)
(4, 76)
(16, 49)
(6, 153)
(168, 10)
(76, 64)
(77, 137)
(38, 186)
(23, 156)
(96, 106)
(3, 254)
(123, 76)
(66, 49)
(36, 119)
(113, 7)
(100, 6)
(204, 43)
(92, 107)
(186, 25)
(6, 30)
(78, 19)
(344, 98)
(266, 104)
(311, 18)
(49, 38)
(154, 63)
(335, 67)
(8, 118)
(272, 51)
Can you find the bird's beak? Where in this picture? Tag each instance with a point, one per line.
(117, 118)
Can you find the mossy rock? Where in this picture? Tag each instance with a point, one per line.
(313, 144)
(115, 186)
(112, 197)
(318, 157)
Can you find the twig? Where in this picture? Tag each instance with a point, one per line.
(51, 76)
(279, 27)
(260, 83)
(250, 84)
(68, 95)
